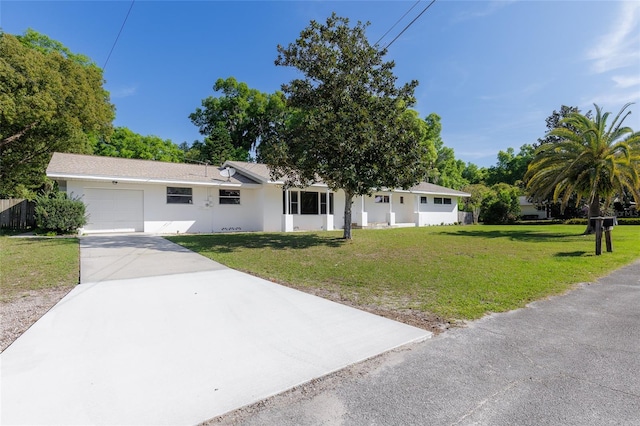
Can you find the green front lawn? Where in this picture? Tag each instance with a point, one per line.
(31, 264)
(456, 272)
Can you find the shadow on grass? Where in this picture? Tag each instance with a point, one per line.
(512, 234)
(228, 243)
(572, 254)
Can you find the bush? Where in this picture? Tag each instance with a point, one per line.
(629, 221)
(500, 205)
(621, 221)
(58, 213)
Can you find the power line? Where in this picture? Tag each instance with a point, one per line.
(410, 23)
(118, 36)
(397, 22)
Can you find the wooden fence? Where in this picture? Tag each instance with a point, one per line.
(465, 218)
(17, 213)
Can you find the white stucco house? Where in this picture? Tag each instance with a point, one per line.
(126, 195)
(530, 210)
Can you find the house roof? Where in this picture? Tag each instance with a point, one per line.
(260, 172)
(433, 189)
(92, 167)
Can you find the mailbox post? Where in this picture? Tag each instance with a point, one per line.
(603, 224)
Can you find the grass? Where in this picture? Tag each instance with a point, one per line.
(32, 264)
(456, 272)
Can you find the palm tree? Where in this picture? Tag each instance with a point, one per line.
(589, 160)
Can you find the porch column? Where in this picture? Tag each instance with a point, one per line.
(391, 216)
(328, 217)
(364, 219)
(287, 217)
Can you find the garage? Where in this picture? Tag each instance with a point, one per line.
(114, 210)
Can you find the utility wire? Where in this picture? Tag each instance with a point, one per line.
(397, 22)
(118, 36)
(410, 23)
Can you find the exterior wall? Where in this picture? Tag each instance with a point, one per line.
(438, 214)
(530, 210)
(205, 214)
(260, 209)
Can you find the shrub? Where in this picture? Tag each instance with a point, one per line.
(500, 205)
(621, 221)
(629, 221)
(58, 213)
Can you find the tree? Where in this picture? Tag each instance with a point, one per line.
(473, 204)
(474, 174)
(555, 120)
(511, 167)
(500, 205)
(236, 121)
(589, 160)
(349, 124)
(125, 143)
(446, 170)
(50, 100)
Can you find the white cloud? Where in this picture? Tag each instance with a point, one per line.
(490, 8)
(625, 81)
(619, 47)
(124, 92)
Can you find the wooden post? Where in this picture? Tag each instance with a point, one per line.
(607, 239)
(598, 224)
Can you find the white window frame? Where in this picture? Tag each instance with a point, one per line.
(229, 198)
(177, 197)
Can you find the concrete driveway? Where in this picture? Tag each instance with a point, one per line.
(156, 334)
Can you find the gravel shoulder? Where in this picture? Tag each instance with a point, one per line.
(19, 314)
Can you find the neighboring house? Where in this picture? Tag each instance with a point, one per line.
(529, 210)
(125, 195)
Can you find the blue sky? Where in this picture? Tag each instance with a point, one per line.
(493, 70)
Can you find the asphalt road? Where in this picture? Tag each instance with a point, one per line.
(569, 360)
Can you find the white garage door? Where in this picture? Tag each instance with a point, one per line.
(114, 210)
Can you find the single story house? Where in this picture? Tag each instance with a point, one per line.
(530, 210)
(127, 195)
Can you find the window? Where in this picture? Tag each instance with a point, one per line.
(401, 200)
(177, 195)
(423, 200)
(439, 200)
(323, 203)
(229, 196)
(382, 199)
(309, 202)
(293, 202)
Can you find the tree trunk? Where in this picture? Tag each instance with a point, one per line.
(348, 201)
(594, 211)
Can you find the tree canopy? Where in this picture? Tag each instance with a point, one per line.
(125, 143)
(234, 123)
(588, 160)
(349, 124)
(50, 100)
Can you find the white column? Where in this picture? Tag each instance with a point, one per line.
(328, 217)
(391, 216)
(287, 218)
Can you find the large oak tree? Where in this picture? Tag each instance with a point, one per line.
(234, 122)
(349, 125)
(50, 100)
